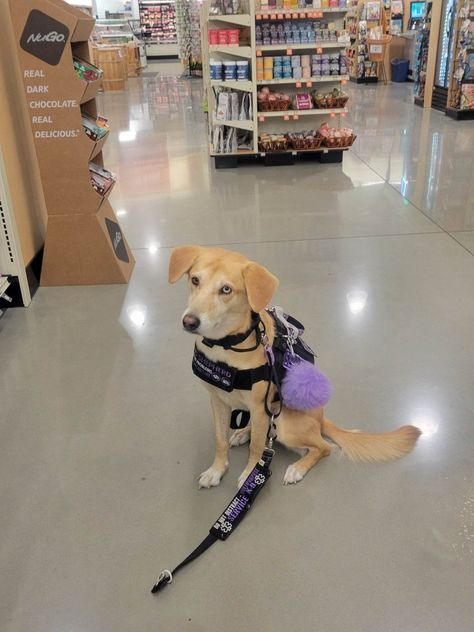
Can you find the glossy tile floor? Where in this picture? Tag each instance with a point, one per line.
(103, 430)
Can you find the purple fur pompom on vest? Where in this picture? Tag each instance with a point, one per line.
(305, 387)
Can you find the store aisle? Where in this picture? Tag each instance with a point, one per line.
(404, 161)
(103, 430)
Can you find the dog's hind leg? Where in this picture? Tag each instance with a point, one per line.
(239, 437)
(296, 471)
(300, 431)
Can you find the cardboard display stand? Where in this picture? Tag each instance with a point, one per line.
(84, 243)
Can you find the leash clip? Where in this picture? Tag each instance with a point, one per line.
(166, 577)
(271, 434)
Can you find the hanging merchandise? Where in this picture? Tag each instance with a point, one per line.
(363, 20)
(396, 17)
(461, 89)
(421, 55)
(189, 36)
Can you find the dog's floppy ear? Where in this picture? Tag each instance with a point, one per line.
(260, 285)
(181, 261)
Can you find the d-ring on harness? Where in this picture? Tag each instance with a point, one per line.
(227, 378)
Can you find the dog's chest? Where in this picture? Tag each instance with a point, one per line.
(235, 399)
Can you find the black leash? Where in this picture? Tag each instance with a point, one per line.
(230, 518)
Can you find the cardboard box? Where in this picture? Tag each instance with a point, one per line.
(101, 255)
(49, 34)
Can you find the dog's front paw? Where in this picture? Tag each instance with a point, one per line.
(210, 478)
(293, 475)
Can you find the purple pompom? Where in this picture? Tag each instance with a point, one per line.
(305, 387)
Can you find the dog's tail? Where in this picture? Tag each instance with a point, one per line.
(368, 446)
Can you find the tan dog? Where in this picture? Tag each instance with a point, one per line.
(225, 287)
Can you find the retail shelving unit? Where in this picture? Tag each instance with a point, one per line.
(461, 85)
(362, 16)
(158, 26)
(278, 122)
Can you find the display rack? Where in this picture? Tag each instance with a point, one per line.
(421, 55)
(158, 27)
(461, 85)
(394, 12)
(363, 16)
(84, 243)
(258, 125)
(189, 36)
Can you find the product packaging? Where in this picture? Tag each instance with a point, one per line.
(86, 71)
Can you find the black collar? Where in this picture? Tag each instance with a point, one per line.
(229, 342)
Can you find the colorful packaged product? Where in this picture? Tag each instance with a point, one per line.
(86, 71)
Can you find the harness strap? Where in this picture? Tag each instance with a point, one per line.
(244, 419)
(229, 342)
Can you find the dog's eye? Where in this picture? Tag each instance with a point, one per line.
(195, 280)
(226, 289)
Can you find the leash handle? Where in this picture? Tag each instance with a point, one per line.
(235, 511)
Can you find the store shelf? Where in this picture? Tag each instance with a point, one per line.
(298, 113)
(245, 86)
(248, 125)
(238, 51)
(239, 152)
(241, 19)
(298, 13)
(309, 45)
(276, 82)
(320, 150)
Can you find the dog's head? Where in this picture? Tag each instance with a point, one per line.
(225, 287)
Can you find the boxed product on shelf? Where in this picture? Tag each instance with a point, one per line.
(101, 179)
(223, 37)
(86, 70)
(271, 5)
(295, 32)
(302, 101)
(301, 66)
(95, 128)
(229, 70)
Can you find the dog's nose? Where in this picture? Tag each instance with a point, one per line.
(191, 322)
